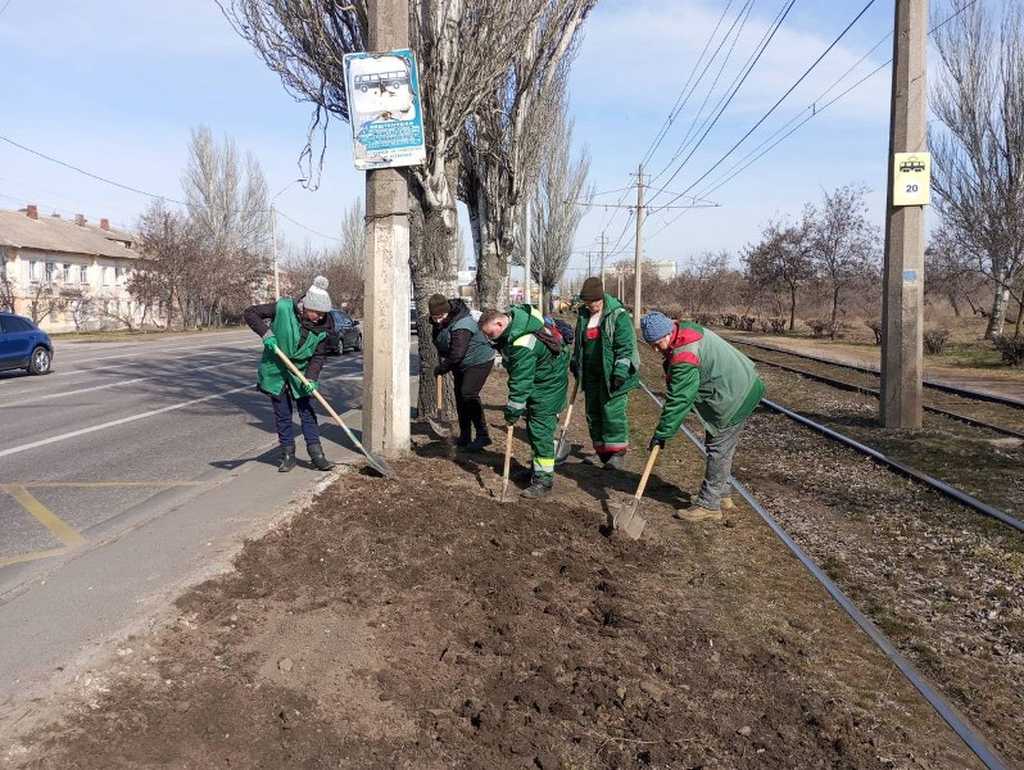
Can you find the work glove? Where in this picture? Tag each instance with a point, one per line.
(307, 387)
(512, 415)
(270, 341)
(617, 382)
(656, 441)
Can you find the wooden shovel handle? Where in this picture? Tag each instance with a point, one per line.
(323, 401)
(651, 459)
(440, 391)
(508, 460)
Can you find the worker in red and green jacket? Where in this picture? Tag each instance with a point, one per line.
(606, 365)
(538, 376)
(706, 373)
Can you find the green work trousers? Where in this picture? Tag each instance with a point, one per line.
(606, 415)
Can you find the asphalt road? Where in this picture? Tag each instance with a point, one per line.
(122, 474)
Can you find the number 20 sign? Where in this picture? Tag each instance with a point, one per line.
(912, 177)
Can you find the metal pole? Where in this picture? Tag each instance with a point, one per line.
(277, 274)
(386, 415)
(903, 273)
(638, 254)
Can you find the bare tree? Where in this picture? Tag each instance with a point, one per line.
(782, 260)
(463, 47)
(979, 149)
(505, 135)
(952, 273)
(342, 266)
(845, 244)
(562, 182)
(7, 284)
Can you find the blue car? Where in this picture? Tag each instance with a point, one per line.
(23, 345)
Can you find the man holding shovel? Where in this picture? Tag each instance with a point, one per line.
(304, 332)
(704, 372)
(467, 353)
(538, 377)
(606, 364)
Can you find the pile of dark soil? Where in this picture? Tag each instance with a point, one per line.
(418, 623)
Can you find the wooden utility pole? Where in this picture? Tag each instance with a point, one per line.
(903, 273)
(386, 278)
(637, 277)
(602, 258)
(526, 252)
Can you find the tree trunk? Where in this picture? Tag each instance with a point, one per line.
(835, 313)
(997, 317)
(792, 307)
(432, 262)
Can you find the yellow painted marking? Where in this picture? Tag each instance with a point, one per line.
(103, 484)
(21, 558)
(59, 528)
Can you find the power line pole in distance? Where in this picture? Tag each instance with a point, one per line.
(903, 273)
(638, 254)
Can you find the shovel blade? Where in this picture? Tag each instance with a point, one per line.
(380, 466)
(439, 426)
(562, 453)
(626, 518)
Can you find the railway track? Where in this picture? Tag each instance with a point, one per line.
(966, 393)
(964, 730)
(875, 392)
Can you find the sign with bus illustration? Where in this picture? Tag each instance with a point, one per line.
(385, 109)
(912, 177)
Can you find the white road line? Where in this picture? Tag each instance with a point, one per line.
(118, 384)
(139, 353)
(141, 416)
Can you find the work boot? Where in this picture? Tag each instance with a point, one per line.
(538, 489)
(697, 513)
(462, 441)
(616, 462)
(287, 459)
(316, 455)
(481, 441)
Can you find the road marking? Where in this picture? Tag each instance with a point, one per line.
(21, 558)
(141, 416)
(136, 352)
(113, 384)
(59, 528)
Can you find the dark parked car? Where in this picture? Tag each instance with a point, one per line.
(23, 345)
(349, 332)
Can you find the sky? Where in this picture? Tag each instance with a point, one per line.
(115, 87)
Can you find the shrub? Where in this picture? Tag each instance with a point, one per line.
(822, 327)
(875, 326)
(706, 319)
(1011, 349)
(730, 321)
(935, 341)
(674, 311)
(746, 323)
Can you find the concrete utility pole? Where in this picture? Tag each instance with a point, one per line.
(602, 258)
(637, 277)
(273, 234)
(903, 275)
(386, 279)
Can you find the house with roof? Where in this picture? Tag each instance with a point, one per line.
(67, 275)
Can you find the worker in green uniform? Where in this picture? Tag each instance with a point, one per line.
(538, 376)
(606, 364)
(304, 331)
(705, 373)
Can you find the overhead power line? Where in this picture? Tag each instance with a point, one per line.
(136, 190)
(781, 99)
(760, 52)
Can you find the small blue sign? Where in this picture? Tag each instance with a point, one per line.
(909, 276)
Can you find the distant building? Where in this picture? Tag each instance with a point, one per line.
(69, 274)
(665, 270)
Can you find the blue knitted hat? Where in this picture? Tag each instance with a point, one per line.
(654, 326)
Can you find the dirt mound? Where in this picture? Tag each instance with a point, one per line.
(417, 623)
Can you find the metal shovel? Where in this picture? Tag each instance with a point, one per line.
(562, 449)
(438, 422)
(626, 517)
(375, 462)
(508, 465)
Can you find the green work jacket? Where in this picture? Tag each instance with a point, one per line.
(535, 373)
(273, 374)
(620, 357)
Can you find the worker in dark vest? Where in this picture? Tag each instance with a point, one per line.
(304, 331)
(468, 355)
(705, 373)
(606, 365)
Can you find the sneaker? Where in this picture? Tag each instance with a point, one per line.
(537, 490)
(697, 513)
(479, 443)
(616, 462)
(462, 442)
